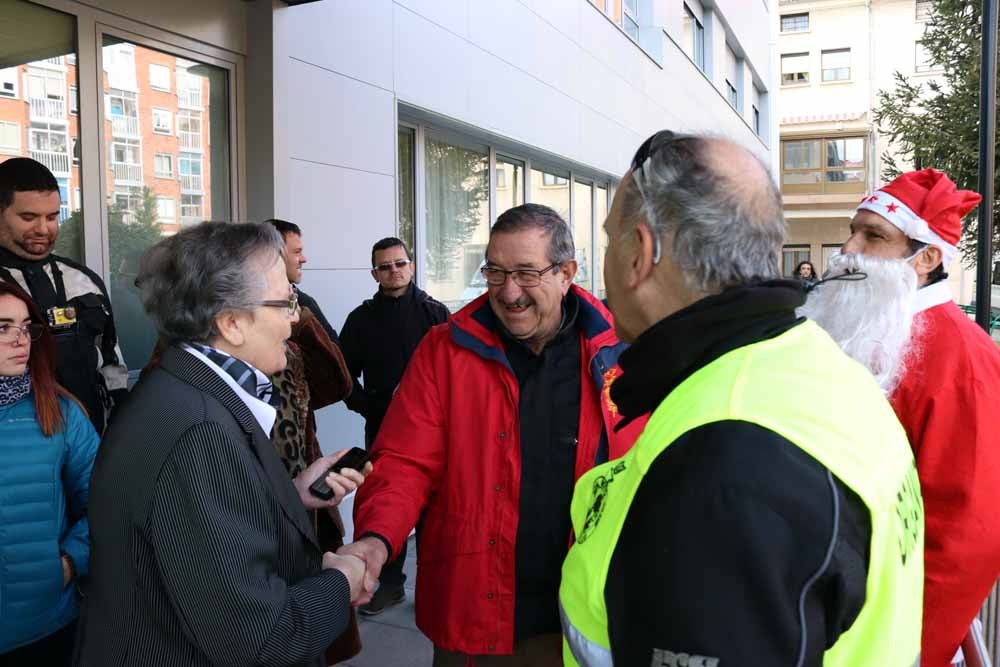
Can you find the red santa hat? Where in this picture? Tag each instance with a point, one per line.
(926, 206)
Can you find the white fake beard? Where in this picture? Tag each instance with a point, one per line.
(871, 319)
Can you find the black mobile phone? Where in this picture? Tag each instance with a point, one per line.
(355, 459)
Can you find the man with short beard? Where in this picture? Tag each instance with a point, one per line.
(942, 375)
(89, 362)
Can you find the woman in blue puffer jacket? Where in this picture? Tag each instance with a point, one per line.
(47, 448)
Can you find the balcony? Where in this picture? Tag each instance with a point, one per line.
(189, 97)
(191, 183)
(125, 126)
(126, 173)
(48, 109)
(189, 141)
(58, 163)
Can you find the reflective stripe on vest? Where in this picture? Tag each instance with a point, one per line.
(584, 652)
(802, 387)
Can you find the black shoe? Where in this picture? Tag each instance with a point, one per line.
(382, 600)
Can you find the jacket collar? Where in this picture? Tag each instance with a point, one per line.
(476, 327)
(195, 372)
(674, 348)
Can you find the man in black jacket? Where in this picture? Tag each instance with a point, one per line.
(89, 362)
(295, 257)
(378, 339)
(769, 512)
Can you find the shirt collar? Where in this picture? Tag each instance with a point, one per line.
(262, 411)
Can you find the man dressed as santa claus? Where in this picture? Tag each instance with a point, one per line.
(889, 306)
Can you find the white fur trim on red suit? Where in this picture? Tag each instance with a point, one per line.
(931, 295)
(908, 222)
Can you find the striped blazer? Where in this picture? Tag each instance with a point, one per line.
(201, 550)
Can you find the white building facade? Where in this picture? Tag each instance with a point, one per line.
(422, 119)
(834, 58)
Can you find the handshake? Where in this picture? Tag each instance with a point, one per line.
(361, 562)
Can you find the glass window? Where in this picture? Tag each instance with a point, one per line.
(8, 82)
(163, 165)
(159, 77)
(791, 256)
(583, 232)
(756, 120)
(189, 130)
(922, 59)
(795, 22)
(630, 18)
(924, 9)
(166, 210)
(837, 65)
(794, 68)
(162, 121)
(190, 87)
(600, 214)
(407, 188)
(457, 190)
(74, 100)
(835, 165)
(733, 78)
(694, 38)
(509, 184)
(142, 202)
(10, 137)
(551, 190)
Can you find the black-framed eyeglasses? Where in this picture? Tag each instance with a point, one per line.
(385, 267)
(10, 333)
(522, 277)
(291, 304)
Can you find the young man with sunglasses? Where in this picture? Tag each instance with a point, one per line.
(377, 340)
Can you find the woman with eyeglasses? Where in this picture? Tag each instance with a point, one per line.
(204, 551)
(47, 449)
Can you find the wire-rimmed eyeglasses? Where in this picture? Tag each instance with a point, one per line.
(10, 333)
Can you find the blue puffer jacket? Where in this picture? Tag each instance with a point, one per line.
(44, 485)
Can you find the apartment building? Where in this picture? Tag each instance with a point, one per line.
(154, 130)
(835, 56)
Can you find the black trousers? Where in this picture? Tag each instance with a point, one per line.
(55, 650)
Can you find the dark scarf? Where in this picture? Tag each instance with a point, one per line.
(674, 348)
(249, 378)
(14, 387)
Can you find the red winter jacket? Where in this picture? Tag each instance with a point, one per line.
(449, 448)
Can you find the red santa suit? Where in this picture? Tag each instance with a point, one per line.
(949, 403)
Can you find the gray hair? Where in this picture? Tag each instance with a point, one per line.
(725, 229)
(188, 279)
(537, 216)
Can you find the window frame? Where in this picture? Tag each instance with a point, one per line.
(169, 129)
(12, 149)
(159, 66)
(159, 218)
(159, 174)
(526, 157)
(825, 186)
(795, 15)
(823, 69)
(797, 82)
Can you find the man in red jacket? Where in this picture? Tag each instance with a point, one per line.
(499, 412)
(942, 375)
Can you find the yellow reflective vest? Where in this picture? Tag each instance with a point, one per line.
(802, 387)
